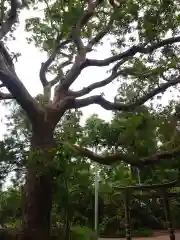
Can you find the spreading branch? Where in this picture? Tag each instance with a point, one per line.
(76, 37)
(130, 52)
(77, 68)
(20, 93)
(45, 65)
(102, 83)
(11, 19)
(121, 157)
(96, 85)
(98, 99)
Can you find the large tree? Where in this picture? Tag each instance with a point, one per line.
(144, 53)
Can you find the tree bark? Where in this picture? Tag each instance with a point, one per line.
(38, 186)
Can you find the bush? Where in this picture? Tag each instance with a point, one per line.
(82, 233)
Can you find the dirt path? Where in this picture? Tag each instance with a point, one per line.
(162, 237)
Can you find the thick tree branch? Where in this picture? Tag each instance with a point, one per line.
(45, 65)
(77, 68)
(72, 75)
(12, 18)
(76, 36)
(131, 52)
(60, 75)
(22, 96)
(102, 83)
(120, 157)
(16, 88)
(98, 99)
(96, 85)
(119, 63)
(7, 58)
(5, 96)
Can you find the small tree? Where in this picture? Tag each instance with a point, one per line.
(69, 30)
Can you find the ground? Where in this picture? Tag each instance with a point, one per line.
(158, 236)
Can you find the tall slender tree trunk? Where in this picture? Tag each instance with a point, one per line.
(38, 187)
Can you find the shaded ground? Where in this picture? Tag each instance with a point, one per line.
(158, 236)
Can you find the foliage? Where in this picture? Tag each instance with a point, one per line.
(83, 233)
(73, 201)
(11, 208)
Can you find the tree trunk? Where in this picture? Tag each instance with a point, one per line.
(38, 187)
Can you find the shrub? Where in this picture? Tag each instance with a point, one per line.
(82, 233)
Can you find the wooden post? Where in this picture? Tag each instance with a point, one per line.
(127, 215)
(168, 215)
